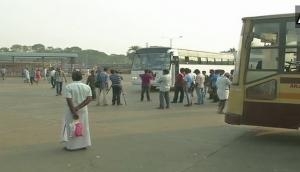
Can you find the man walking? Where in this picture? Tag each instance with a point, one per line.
(59, 78)
(52, 77)
(102, 79)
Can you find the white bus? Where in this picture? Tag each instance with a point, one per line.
(158, 58)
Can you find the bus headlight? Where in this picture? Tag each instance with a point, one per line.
(134, 78)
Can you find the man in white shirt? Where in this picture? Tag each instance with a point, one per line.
(52, 77)
(3, 72)
(199, 81)
(164, 89)
(223, 84)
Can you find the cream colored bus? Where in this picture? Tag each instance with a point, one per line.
(266, 82)
(158, 58)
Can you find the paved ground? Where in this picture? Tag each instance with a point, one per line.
(136, 137)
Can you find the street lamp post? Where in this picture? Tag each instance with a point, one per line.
(171, 40)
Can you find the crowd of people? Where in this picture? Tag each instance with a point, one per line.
(214, 86)
(189, 86)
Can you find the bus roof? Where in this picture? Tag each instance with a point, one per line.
(274, 16)
(32, 55)
(153, 49)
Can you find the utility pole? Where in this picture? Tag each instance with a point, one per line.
(171, 40)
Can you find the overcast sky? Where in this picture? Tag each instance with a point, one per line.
(112, 26)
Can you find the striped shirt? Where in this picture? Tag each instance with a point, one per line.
(115, 79)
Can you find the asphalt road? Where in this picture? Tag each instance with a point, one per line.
(135, 138)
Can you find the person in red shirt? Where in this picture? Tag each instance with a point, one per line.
(38, 75)
(179, 85)
(146, 84)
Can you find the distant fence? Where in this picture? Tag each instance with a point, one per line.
(16, 69)
(123, 68)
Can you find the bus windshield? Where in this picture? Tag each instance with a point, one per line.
(152, 61)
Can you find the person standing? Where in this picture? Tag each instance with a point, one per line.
(223, 83)
(179, 85)
(32, 75)
(199, 87)
(206, 82)
(164, 89)
(3, 72)
(188, 78)
(146, 84)
(45, 74)
(214, 74)
(91, 82)
(102, 79)
(59, 78)
(38, 76)
(52, 77)
(26, 75)
(116, 85)
(78, 96)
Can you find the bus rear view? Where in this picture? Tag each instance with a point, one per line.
(266, 85)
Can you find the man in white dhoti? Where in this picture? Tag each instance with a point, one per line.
(78, 95)
(223, 84)
(27, 75)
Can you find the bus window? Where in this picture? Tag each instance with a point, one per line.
(210, 60)
(181, 60)
(263, 59)
(186, 59)
(193, 60)
(218, 61)
(203, 60)
(291, 61)
(230, 62)
(265, 35)
(262, 91)
(291, 34)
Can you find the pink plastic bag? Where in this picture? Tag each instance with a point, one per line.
(78, 129)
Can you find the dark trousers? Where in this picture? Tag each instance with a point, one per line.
(93, 92)
(59, 87)
(147, 90)
(221, 105)
(116, 94)
(214, 94)
(53, 82)
(31, 80)
(178, 89)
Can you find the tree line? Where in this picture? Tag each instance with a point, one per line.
(88, 56)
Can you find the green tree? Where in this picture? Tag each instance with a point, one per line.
(131, 51)
(73, 50)
(38, 48)
(25, 48)
(16, 48)
(49, 49)
(57, 50)
(4, 49)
